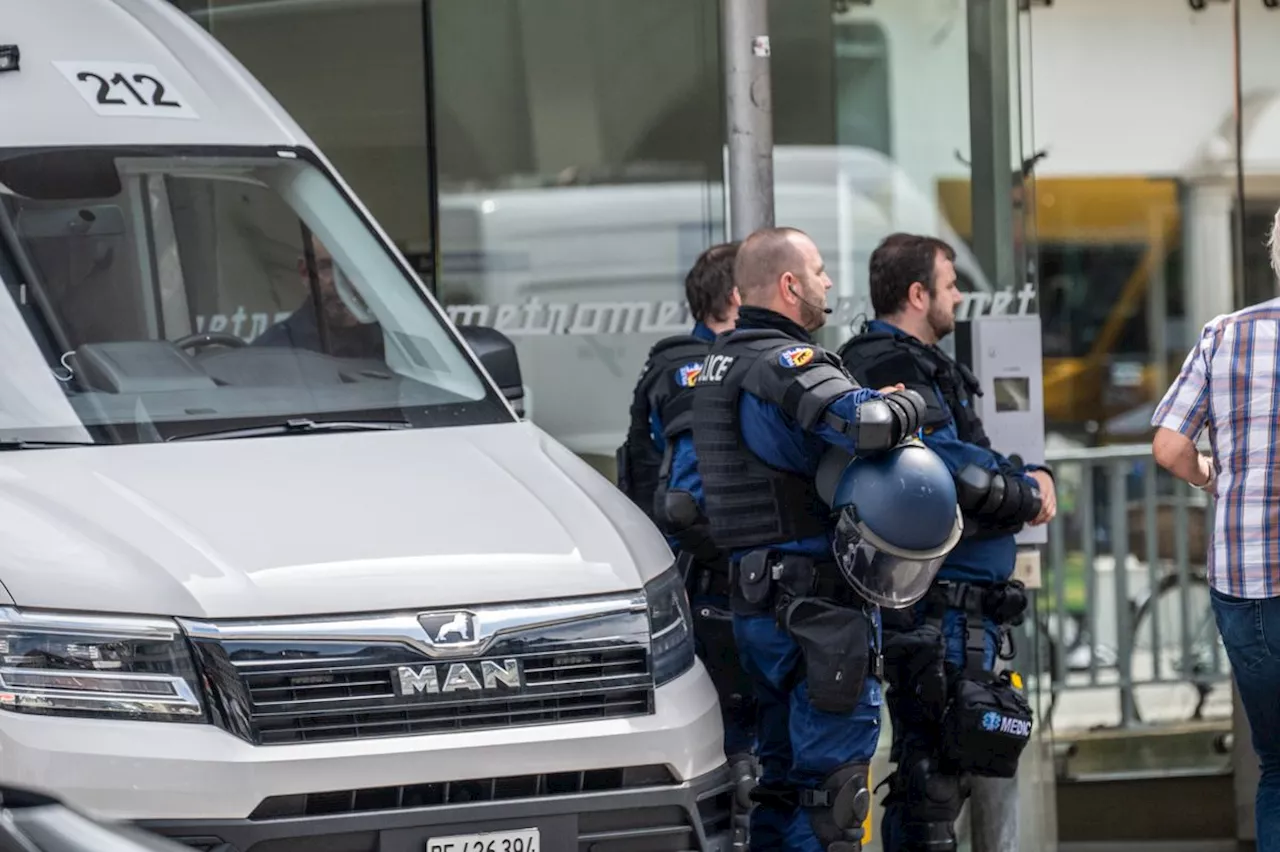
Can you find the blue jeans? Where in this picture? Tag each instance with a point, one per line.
(798, 745)
(1250, 631)
(908, 741)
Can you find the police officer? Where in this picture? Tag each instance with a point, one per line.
(767, 403)
(661, 404)
(659, 471)
(952, 717)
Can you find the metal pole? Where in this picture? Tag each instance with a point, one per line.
(749, 114)
(993, 802)
(1118, 498)
(990, 144)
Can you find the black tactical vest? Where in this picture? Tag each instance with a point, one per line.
(879, 358)
(665, 386)
(749, 503)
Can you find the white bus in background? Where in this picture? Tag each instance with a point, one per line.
(585, 279)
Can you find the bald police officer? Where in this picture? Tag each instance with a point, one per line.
(767, 404)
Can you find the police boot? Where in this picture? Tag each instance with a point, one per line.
(744, 772)
(837, 810)
(922, 806)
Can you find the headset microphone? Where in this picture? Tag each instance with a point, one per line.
(807, 302)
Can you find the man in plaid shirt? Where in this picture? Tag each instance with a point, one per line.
(1229, 384)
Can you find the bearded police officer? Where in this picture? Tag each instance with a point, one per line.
(767, 403)
(952, 717)
(658, 469)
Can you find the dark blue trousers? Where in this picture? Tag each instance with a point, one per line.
(799, 745)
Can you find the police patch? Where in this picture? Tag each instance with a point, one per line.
(688, 374)
(796, 356)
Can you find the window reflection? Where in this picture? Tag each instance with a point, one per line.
(580, 174)
(352, 73)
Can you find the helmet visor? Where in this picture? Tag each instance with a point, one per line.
(884, 575)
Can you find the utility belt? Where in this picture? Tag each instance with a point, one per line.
(1004, 603)
(767, 580)
(984, 719)
(830, 622)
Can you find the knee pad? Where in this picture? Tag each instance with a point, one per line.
(929, 801)
(836, 810)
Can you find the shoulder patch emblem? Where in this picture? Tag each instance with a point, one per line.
(796, 356)
(688, 374)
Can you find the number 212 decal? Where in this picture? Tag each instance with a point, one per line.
(126, 89)
(104, 89)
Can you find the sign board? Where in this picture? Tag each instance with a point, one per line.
(1006, 359)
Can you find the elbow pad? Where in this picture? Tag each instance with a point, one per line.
(909, 406)
(996, 498)
(884, 422)
(875, 427)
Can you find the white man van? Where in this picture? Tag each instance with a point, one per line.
(323, 590)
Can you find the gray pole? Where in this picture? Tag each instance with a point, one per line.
(993, 803)
(749, 114)
(990, 141)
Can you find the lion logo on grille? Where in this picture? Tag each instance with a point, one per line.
(449, 628)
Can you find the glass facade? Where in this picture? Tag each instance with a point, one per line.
(553, 167)
(580, 175)
(568, 156)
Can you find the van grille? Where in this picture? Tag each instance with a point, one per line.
(325, 688)
(346, 702)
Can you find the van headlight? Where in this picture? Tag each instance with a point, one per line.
(96, 666)
(670, 626)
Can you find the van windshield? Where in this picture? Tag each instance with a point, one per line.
(156, 295)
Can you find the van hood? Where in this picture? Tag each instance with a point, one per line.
(317, 524)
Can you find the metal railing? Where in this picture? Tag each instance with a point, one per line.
(1123, 633)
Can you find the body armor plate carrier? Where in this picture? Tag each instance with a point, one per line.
(749, 503)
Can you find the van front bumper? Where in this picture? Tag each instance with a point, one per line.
(693, 815)
(664, 769)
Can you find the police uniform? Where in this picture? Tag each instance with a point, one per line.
(661, 408)
(767, 404)
(658, 469)
(952, 717)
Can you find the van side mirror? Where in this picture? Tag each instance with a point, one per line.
(498, 355)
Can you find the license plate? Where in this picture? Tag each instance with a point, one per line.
(521, 840)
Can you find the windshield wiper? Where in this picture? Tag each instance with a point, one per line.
(25, 444)
(299, 425)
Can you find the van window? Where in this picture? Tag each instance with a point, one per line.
(185, 294)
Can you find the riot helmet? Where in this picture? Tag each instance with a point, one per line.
(897, 519)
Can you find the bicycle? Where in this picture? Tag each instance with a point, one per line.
(1199, 664)
(1198, 661)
